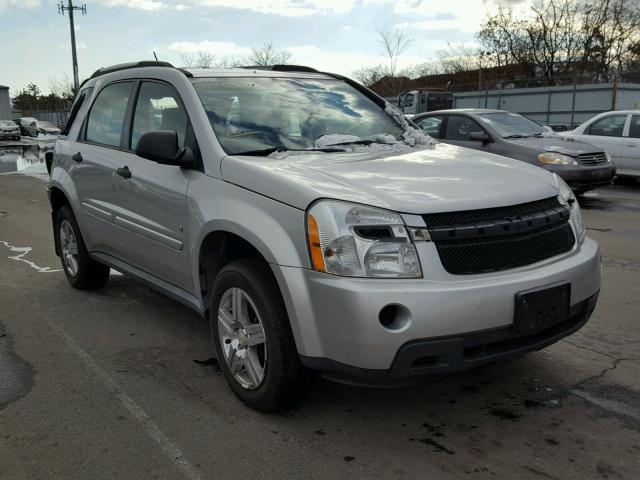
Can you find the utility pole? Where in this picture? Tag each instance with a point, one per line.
(62, 9)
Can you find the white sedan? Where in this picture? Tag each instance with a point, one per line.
(618, 133)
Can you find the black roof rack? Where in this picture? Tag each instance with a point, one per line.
(144, 63)
(281, 68)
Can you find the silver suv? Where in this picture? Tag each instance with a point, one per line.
(314, 227)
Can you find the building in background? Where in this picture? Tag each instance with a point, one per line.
(5, 103)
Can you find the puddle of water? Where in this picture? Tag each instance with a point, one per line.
(16, 376)
(24, 157)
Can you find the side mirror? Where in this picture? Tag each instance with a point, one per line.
(161, 146)
(480, 137)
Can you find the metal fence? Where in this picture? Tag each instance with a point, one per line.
(563, 104)
(57, 117)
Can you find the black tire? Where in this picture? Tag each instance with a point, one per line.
(90, 274)
(285, 379)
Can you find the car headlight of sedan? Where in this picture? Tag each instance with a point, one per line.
(355, 240)
(566, 197)
(554, 158)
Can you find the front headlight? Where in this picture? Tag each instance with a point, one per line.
(566, 197)
(553, 158)
(360, 241)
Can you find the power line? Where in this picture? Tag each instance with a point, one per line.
(62, 9)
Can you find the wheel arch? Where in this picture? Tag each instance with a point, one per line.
(57, 199)
(223, 245)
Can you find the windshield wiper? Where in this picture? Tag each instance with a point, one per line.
(269, 151)
(516, 136)
(360, 142)
(531, 135)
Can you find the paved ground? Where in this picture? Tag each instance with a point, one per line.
(106, 385)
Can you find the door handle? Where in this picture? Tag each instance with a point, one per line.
(629, 144)
(124, 172)
(77, 157)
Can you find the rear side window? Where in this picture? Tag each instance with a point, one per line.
(106, 117)
(611, 126)
(430, 125)
(460, 128)
(634, 128)
(158, 108)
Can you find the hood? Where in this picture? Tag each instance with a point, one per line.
(566, 146)
(434, 179)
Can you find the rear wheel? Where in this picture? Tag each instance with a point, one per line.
(81, 270)
(252, 337)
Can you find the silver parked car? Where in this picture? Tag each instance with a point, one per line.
(582, 165)
(9, 130)
(314, 227)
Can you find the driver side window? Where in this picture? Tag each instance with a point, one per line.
(460, 128)
(158, 108)
(609, 126)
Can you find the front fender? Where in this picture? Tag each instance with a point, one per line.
(274, 229)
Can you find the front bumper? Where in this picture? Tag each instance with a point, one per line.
(335, 320)
(580, 177)
(424, 359)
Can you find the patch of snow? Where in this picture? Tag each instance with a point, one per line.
(384, 138)
(417, 138)
(397, 115)
(549, 133)
(329, 140)
(22, 252)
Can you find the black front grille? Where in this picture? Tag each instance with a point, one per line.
(488, 214)
(511, 252)
(592, 158)
(489, 240)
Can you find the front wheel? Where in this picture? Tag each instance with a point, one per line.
(252, 337)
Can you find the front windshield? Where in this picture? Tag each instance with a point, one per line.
(512, 125)
(249, 114)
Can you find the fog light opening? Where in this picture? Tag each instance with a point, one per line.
(394, 317)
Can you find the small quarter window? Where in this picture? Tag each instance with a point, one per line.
(77, 105)
(430, 125)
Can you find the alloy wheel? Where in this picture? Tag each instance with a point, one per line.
(242, 338)
(69, 247)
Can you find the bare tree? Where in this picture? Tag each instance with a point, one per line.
(62, 87)
(370, 75)
(269, 55)
(188, 60)
(460, 58)
(560, 37)
(394, 42)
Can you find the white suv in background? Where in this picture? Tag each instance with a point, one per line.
(618, 133)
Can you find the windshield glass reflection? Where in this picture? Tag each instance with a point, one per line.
(250, 114)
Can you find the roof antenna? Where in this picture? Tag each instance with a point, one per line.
(155, 56)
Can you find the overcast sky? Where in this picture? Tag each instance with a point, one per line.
(333, 35)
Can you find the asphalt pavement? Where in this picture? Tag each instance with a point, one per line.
(121, 383)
